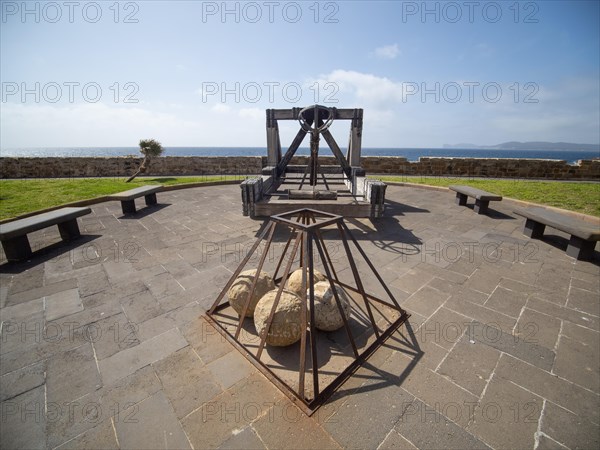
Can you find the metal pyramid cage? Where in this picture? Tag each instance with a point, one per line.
(310, 370)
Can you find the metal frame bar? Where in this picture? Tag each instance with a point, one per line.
(305, 231)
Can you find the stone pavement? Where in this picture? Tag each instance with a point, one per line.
(103, 346)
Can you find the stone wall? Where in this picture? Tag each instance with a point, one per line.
(125, 166)
(247, 165)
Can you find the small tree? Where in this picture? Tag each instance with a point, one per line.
(150, 148)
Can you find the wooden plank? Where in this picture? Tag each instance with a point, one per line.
(291, 150)
(309, 194)
(355, 141)
(323, 169)
(337, 153)
(292, 114)
(268, 207)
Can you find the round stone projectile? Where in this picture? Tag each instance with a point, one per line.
(239, 290)
(327, 313)
(286, 327)
(295, 280)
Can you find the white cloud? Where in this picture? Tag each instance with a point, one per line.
(567, 111)
(387, 51)
(368, 89)
(96, 125)
(89, 125)
(252, 113)
(221, 108)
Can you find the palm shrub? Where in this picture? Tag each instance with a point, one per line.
(150, 148)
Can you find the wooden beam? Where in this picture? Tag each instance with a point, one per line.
(337, 153)
(290, 152)
(292, 114)
(355, 144)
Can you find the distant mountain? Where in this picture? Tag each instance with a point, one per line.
(534, 145)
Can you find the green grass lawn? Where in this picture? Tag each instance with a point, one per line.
(26, 195)
(581, 197)
(22, 196)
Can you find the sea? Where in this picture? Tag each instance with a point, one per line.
(412, 154)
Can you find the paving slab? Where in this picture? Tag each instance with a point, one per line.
(101, 436)
(285, 426)
(141, 306)
(22, 311)
(151, 424)
(507, 416)
(513, 345)
(367, 416)
(423, 427)
(216, 421)
(111, 335)
(244, 439)
(187, 381)
(579, 362)
(62, 304)
(39, 292)
(395, 440)
(507, 301)
(208, 343)
(583, 300)
(30, 279)
(470, 364)
(19, 381)
(230, 368)
(131, 359)
(538, 328)
(425, 301)
(551, 387)
(72, 374)
(445, 328)
(21, 333)
(38, 343)
(454, 270)
(567, 314)
(24, 420)
(569, 429)
(481, 314)
(433, 389)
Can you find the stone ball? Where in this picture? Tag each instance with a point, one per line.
(286, 328)
(239, 290)
(295, 280)
(327, 314)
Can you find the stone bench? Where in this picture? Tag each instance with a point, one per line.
(14, 234)
(482, 198)
(584, 235)
(127, 198)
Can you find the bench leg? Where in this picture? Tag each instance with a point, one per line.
(17, 248)
(128, 206)
(69, 230)
(481, 206)
(533, 229)
(151, 199)
(580, 249)
(461, 199)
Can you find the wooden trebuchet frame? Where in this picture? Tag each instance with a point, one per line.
(262, 196)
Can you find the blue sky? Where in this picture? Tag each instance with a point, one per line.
(202, 73)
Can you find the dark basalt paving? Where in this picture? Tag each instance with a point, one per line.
(103, 346)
